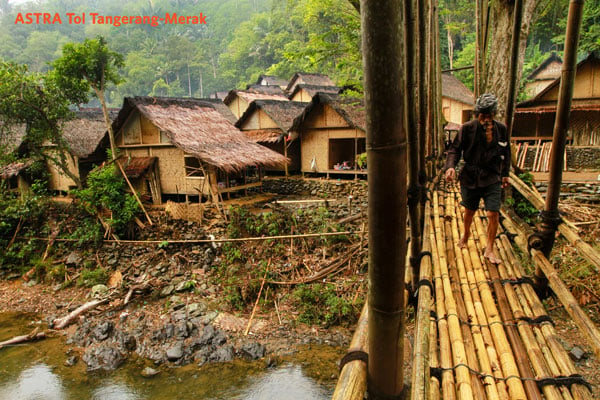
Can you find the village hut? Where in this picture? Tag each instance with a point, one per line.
(332, 135)
(269, 80)
(238, 101)
(11, 140)
(187, 147)
(534, 118)
(268, 122)
(308, 79)
(457, 100)
(546, 73)
(83, 136)
(304, 92)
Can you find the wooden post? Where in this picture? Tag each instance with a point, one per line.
(133, 191)
(386, 151)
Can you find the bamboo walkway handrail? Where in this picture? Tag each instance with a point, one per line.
(580, 318)
(352, 383)
(567, 229)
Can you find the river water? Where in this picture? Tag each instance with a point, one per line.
(37, 371)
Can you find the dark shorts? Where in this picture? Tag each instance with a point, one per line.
(491, 195)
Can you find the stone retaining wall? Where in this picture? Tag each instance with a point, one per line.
(316, 187)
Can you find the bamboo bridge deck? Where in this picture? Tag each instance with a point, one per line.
(481, 330)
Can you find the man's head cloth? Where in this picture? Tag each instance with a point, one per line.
(487, 103)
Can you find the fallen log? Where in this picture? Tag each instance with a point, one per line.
(61, 323)
(32, 336)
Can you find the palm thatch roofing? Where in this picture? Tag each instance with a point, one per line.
(84, 133)
(199, 129)
(11, 137)
(253, 94)
(309, 79)
(13, 169)
(352, 110)
(270, 89)
(136, 167)
(281, 112)
(314, 89)
(453, 88)
(269, 80)
(552, 58)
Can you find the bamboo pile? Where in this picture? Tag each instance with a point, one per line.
(488, 334)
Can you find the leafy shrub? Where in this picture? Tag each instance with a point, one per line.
(92, 277)
(520, 204)
(106, 191)
(320, 304)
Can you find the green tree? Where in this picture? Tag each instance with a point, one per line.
(94, 65)
(39, 102)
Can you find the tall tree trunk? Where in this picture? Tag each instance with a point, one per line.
(498, 73)
(111, 135)
(450, 48)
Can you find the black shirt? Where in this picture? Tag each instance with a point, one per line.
(485, 163)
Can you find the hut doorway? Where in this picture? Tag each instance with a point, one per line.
(343, 152)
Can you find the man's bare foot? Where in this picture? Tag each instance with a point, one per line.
(489, 254)
(462, 243)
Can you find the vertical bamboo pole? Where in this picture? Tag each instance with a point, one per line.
(513, 66)
(382, 40)
(413, 143)
(550, 217)
(422, 98)
(438, 87)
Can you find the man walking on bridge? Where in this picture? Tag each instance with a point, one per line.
(484, 145)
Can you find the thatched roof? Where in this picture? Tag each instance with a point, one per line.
(11, 137)
(269, 80)
(251, 95)
(14, 169)
(309, 79)
(552, 58)
(136, 167)
(266, 89)
(86, 131)
(454, 89)
(351, 109)
(281, 112)
(196, 127)
(222, 108)
(314, 89)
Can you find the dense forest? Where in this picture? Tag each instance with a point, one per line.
(245, 38)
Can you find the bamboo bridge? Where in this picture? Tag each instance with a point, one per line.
(481, 331)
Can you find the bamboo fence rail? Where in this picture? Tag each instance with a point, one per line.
(486, 335)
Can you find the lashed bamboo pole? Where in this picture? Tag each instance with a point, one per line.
(382, 38)
(448, 384)
(420, 379)
(558, 362)
(434, 382)
(513, 66)
(480, 332)
(561, 125)
(502, 345)
(352, 383)
(580, 318)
